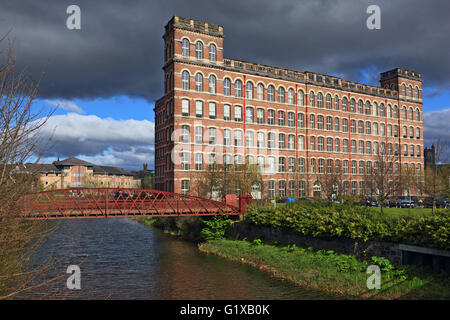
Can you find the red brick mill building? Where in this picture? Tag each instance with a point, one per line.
(294, 125)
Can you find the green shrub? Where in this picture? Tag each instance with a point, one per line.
(355, 222)
(216, 227)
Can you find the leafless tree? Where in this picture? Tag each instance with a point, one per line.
(436, 176)
(384, 178)
(20, 123)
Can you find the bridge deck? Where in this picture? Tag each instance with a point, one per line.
(109, 202)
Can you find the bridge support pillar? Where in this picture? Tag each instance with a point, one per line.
(244, 200)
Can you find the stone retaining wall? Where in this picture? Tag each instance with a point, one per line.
(389, 250)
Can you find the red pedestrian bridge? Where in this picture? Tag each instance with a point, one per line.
(120, 202)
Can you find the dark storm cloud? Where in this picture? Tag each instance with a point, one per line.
(119, 47)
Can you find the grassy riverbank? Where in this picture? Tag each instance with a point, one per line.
(331, 272)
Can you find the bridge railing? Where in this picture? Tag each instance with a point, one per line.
(120, 202)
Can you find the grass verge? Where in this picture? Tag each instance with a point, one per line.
(328, 271)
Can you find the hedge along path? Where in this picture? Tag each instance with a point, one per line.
(356, 222)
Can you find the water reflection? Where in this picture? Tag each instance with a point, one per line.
(122, 259)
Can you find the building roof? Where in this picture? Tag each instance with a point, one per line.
(73, 162)
(111, 170)
(41, 167)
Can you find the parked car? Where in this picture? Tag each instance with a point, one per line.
(428, 202)
(447, 204)
(370, 202)
(405, 202)
(391, 202)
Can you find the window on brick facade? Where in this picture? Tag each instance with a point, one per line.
(198, 135)
(212, 110)
(212, 84)
(249, 115)
(344, 104)
(199, 109)
(271, 93)
(260, 92)
(185, 107)
(238, 88)
(352, 105)
(291, 96)
(270, 116)
(328, 101)
(199, 50)
(291, 119)
(281, 94)
(237, 113)
(281, 141)
(212, 53)
(320, 100)
(320, 122)
(185, 48)
(300, 97)
(226, 112)
(281, 118)
(249, 90)
(312, 100)
(227, 87)
(301, 142)
(260, 116)
(185, 80)
(199, 82)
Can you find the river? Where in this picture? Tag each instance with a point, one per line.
(122, 259)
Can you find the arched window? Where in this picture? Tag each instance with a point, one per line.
(212, 53)
(185, 80)
(328, 101)
(344, 104)
(291, 96)
(185, 48)
(212, 84)
(403, 89)
(395, 112)
(360, 107)
(336, 102)
(249, 90)
(227, 87)
(368, 108)
(410, 113)
(352, 105)
(375, 109)
(337, 147)
(300, 95)
(416, 93)
(312, 100)
(199, 50)
(404, 116)
(271, 93)
(281, 94)
(417, 114)
(320, 100)
(410, 91)
(389, 111)
(238, 88)
(199, 82)
(260, 92)
(382, 110)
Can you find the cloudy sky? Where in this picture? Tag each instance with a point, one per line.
(105, 77)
